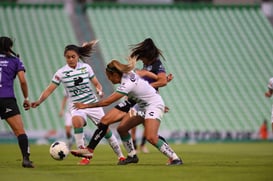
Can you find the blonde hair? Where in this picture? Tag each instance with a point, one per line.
(116, 66)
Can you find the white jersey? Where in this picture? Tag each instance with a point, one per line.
(139, 90)
(77, 85)
(76, 82)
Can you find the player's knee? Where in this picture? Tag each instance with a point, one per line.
(121, 130)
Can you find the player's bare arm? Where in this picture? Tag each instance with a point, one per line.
(102, 103)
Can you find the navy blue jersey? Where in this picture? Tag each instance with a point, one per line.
(9, 67)
(156, 67)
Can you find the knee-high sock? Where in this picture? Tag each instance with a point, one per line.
(128, 145)
(79, 137)
(23, 144)
(114, 143)
(164, 148)
(97, 136)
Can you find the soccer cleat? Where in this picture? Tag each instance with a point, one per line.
(83, 152)
(27, 163)
(175, 162)
(84, 161)
(128, 160)
(121, 159)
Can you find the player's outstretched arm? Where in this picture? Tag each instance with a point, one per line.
(51, 87)
(102, 103)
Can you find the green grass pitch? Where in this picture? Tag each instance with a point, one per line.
(203, 161)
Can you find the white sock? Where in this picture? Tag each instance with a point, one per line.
(112, 140)
(129, 146)
(79, 139)
(168, 151)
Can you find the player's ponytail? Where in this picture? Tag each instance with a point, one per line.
(84, 51)
(146, 49)
(116, 66)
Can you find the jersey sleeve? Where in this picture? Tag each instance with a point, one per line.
(91, 73)
(57, 78)
(270, 84)
(20, 66)
(158, 67)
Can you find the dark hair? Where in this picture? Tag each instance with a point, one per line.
(84, 51)
(5, 46)
(146, 49)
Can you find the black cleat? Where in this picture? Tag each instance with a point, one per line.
(27, 163)
(176, 162)
(128, 160)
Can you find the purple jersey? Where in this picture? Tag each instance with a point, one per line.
(156, 67)
(9, 67)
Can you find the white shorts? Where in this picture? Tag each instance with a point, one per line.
(68, 118)
(153, 112)
(95, 114)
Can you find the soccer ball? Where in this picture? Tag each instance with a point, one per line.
(59, 150)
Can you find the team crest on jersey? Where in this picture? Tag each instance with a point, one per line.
(83, 69)
(57, 77)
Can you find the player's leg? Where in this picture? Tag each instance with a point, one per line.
(126, 124)
(98, 116)
(16, 124)
(78, 123)
(113, 142)
(143, 147)
(68, 129)
(114, 115)
(133, 135)
(151, 134)
(132, 113)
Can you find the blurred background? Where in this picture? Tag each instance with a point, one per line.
(219, 51)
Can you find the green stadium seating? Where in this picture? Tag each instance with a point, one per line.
(220, 56)
(40, 33)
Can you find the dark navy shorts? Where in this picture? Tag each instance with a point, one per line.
(125, 106)
(8, 108)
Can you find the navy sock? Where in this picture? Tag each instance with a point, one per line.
(23, 144)
(98, 135)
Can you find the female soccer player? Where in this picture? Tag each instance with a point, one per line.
(147, 52)
(138, 91)
(10, 67)
(76, 77)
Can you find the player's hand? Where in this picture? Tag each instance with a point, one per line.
(100, 93)
(26, 105)
(166, 109)
(170, 77)
(79, 105)
(35, 104)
